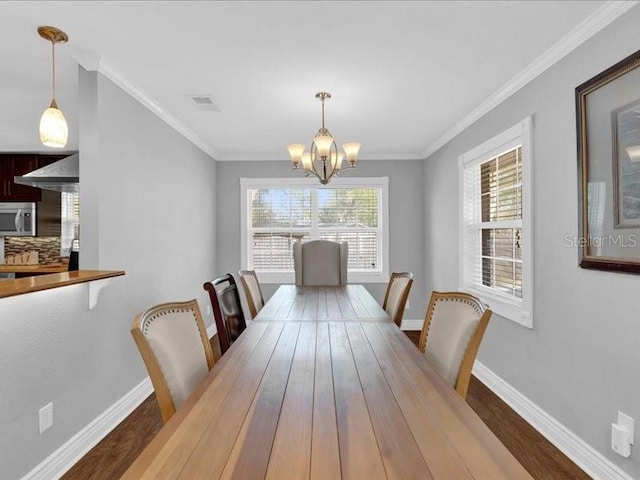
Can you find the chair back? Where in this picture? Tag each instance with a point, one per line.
(252, 291)
(173, 342)
(320, 263)
(453, 329)
(227, 309)
(395, 299)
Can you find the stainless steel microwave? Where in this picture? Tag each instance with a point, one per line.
(17, 219)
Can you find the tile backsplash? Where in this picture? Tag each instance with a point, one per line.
(48, 248)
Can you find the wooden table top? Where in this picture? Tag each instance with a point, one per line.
(325, 400)
(335, 304)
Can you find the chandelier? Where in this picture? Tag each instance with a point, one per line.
(324, 160)
(53, 126)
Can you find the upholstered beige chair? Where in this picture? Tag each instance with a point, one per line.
(320, 263)
(252, 291)
(173, 342)
(397, 294)
(451, 335)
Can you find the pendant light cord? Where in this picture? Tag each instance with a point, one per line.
(53, 67)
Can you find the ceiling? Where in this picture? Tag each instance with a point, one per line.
(402, 74)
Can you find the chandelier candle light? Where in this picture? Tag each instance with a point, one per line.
(53, 126)
(323, 160)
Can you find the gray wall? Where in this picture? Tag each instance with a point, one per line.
(581, 362)
(406, 237)
(149, 195)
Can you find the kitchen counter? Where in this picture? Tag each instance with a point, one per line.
(20, 286)
(27, 270)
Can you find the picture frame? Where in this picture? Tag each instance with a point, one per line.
(608, 141)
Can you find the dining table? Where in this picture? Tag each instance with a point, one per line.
(323, 385)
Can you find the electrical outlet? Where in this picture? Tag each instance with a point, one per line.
(208, 310)
(627, 423)
(45, 416)
(622, 435)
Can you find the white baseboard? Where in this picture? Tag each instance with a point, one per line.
(56, 464)
(408, 324)
(581, 453)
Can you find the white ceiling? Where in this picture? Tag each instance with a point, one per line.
(401, 74)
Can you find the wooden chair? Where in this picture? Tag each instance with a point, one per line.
(453, 329)
(227, 309)
(320, 263)
(173, 342)
(397, 294)
(252, 291)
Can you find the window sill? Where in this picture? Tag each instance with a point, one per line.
(511, 310)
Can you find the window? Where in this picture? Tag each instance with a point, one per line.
(495, 215)
(70, 221)
(279, 212)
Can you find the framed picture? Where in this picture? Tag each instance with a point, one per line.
(608, 134)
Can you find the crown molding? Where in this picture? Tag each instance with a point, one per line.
(585, 30)
(283, 157)
(93, 62)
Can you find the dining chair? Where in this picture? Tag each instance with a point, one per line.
(395, 298)
(320, 263)
(453, 328)
(252, 291)
(227, 309)
(173, 342)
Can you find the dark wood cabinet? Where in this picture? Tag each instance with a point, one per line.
(12, 164)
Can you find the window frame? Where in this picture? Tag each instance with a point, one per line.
(379, 276)
(508, 306)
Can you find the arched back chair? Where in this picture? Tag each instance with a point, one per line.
(453, 329)
(227, 309)
(320, 263)
(173, 342)
(395, 299)
(252, 291)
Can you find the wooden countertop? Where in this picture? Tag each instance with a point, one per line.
(20, 286)
(57, 268)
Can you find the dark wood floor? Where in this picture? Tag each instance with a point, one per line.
(112, 456)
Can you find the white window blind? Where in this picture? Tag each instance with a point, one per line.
(495, 224)
(493, 194)
(70, 221)
(278, 215)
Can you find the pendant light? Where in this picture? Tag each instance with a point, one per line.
(53, 126)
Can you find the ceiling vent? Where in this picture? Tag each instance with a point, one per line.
(204, 102)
